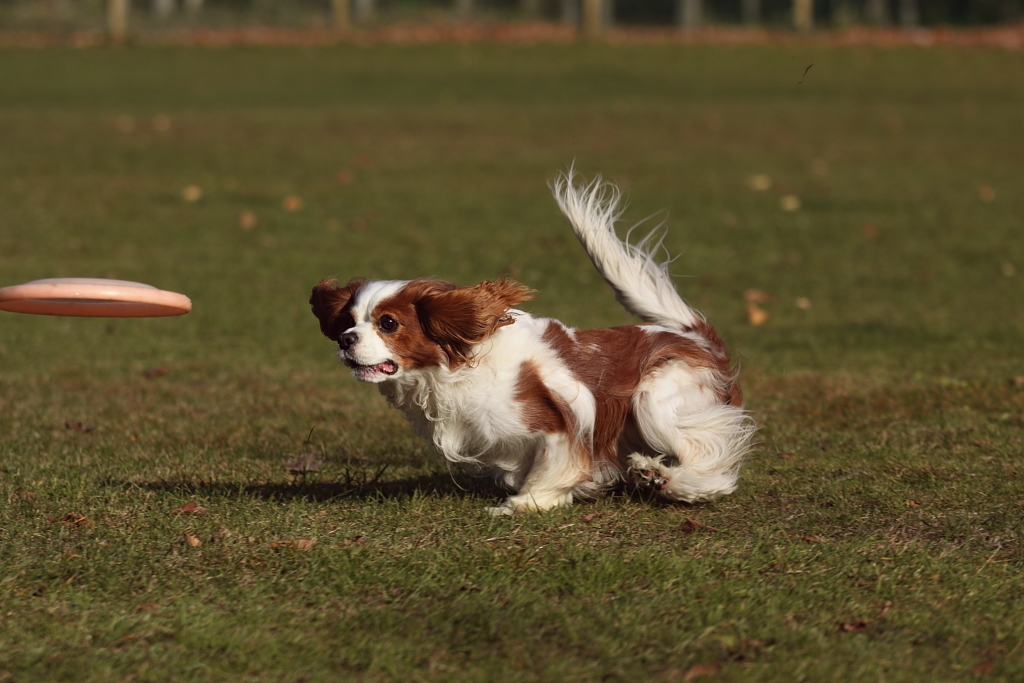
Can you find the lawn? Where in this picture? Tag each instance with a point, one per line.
(149, 530)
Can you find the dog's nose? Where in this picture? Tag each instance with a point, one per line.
(348, 340)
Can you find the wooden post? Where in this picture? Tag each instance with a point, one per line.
(531, 8)
(571, 12)
(364, 10)
(593, 17)
(341, 18)
(803, 14)
(117, 19)
(878, 12)
(751, 11)
(688, 14)
(909, 16)
(163, 8)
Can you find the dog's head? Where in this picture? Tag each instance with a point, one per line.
(386, 328)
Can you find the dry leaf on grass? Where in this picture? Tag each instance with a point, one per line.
(25, 495)
(307, 462)
(292, 203)
(756, 296)
(300, 544)
(852, 626)
(814, 538)
(695, 672)
(192, 541)
(192, 193)
(190, 508)
(591, 516)
(77, 427)
(355, 540)
(756, 315)
(247, 220)
(913, 504)
(154, 372)
(72, 519)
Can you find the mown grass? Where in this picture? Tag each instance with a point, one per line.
(877, 531)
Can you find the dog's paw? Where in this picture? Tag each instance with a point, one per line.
(647, 472)
(503, 510)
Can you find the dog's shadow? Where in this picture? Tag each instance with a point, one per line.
(440, 484)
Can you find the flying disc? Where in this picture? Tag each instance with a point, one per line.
(92, 298)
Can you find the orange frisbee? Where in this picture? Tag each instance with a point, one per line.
(93, 298)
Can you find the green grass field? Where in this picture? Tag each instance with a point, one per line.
(877, 533)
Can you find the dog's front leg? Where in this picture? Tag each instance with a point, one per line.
(553, 475)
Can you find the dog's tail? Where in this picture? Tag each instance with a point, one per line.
(642, 284)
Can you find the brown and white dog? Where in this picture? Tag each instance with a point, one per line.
(554, 412)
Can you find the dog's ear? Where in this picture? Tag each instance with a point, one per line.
(329, 302)
(460, 318)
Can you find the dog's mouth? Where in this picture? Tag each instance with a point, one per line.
(370, 373)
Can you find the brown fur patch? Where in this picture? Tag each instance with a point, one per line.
(411, 345)
(331, 303)
(461, 318)
(611, 362)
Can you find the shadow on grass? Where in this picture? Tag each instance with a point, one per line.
(441, 484)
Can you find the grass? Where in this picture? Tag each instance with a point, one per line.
(877, 531)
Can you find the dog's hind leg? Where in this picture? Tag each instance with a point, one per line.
(698, 442)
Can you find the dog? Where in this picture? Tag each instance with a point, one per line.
(555, 413)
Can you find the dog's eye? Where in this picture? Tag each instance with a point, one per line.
(387, 323)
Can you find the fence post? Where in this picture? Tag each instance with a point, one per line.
(750, 11)
(803, 14)
(593, 17)
(364, 10)
(341, 18)
(688, 14)
(909, 16)
(117, 19)
(878, 12)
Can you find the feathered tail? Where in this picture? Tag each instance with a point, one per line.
(642, 284)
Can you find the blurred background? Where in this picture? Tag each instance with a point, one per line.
(119, 16)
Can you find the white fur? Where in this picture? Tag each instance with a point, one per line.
(694, 444)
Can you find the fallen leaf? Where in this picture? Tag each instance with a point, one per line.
(292, 203)
(756, 296)
(983, 669)
(192, 193)
(307, 462)
(590, 517)
(148, 607)
(72, 519)
(154, 372)
(689, 526)
(814, 538)
(25, 495)
(852, 626)
(78, 427)
(756, 315)
(1018, 381)
(913, 504)
(300, 544)
(192, 541)
(702, 670)
(161, 123)
(355, 540)
(247, 220)
(190, 508)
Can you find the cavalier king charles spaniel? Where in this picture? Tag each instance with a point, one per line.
(555, 413)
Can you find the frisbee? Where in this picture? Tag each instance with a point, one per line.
(86, 297)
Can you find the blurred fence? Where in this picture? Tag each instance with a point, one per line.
(591, 16)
